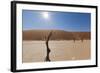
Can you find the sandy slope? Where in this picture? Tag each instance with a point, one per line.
(35, 51)
(56, 35)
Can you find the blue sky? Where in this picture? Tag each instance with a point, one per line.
(68, 21)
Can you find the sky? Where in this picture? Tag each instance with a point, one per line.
(53, 20)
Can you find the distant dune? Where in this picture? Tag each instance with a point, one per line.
(56, 35)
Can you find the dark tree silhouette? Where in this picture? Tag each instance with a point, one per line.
(82, 39)
(47, 45)
(74, 40)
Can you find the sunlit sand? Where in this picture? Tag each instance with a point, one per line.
(62, 50)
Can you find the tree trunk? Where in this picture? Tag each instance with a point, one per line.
(82, 39)
(47, 45)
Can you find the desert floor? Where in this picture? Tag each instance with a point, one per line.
(35, 51)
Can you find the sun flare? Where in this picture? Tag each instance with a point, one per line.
(45, 15)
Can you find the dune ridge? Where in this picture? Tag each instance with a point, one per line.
(56, 35)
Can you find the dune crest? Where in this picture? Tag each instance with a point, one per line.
(56, 35)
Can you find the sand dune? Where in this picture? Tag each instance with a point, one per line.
(56, 35)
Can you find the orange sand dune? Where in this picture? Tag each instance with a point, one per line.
(56, 35)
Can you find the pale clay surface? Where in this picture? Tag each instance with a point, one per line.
(35, 51)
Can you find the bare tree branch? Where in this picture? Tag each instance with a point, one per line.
(47, 45)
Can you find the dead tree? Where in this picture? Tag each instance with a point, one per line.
(82, 39)
(47, 45)
(74, 40)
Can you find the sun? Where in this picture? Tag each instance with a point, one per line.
(45, 15)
